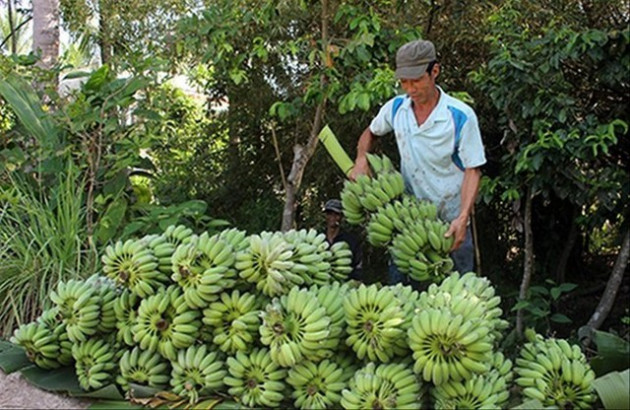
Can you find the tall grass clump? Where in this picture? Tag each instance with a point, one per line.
(43, 240)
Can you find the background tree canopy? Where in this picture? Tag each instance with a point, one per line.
(548, 80)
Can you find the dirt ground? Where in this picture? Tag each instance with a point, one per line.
(17, 393)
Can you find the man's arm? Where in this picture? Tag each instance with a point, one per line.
(470, 189)
(361, 166)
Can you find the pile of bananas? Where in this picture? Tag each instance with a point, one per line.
(374, 322)
(366, 194)
(555, 372)
(384, 386)
(260, 318)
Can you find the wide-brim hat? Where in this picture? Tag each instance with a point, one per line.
(413, 59)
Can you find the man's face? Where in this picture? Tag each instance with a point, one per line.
(422, 88)
(333, 218)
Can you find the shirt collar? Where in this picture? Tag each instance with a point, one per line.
(440, 111)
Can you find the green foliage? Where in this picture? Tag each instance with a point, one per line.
(44, 240)
(539, 304)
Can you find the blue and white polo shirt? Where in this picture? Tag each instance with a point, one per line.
(432, 163)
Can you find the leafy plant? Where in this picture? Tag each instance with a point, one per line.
(42, 237)
(539, 305)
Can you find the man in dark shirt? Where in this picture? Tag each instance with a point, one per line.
(334, 234)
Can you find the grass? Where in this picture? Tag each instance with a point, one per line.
(42, 241)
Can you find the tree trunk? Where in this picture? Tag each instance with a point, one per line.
(528, 263)
(12, 31)
(46, 32)
(302, 154)
(612, 287)
(103, 32)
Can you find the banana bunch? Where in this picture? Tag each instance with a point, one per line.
(79, 305)
(317, 386)
(421, 250)
(126, 311)
(143, 367)
(200, 267)
(383, 386)
(267, 262)
(374, 320)
(380, 164)
(555, 372)
(310, 255)
(106, 290)
(294, 327)
(162, 249)
(133, 264)
(392, 218)
(331, 298)
(40, 344)
(340, 260)
(255, 379)
(239, 241)
(95, 363)
(365, 195)
(178, 234)
(197, 371)
(490, 390)
(51, 319)
(234, 320)
(165, 323)
(470, 296)
(447, 347)
(408, 298)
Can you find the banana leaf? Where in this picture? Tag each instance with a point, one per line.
(23, 100)
(12, 357)
(614, 389)
(613, 353)
(64, 380)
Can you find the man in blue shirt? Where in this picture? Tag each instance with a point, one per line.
(439, 142)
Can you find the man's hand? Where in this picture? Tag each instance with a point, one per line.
(361, 166)
(458, 231)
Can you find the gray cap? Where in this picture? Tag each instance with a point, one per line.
(413, 58)
(333, 205)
